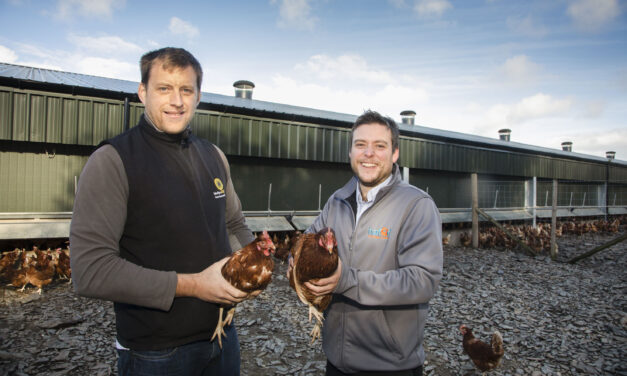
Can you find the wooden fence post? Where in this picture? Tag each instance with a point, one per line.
(554, 222)
(475, 205)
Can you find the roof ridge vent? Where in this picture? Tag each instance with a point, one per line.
(244, 89)
(567, 146)
(505, 134)
(408, 116)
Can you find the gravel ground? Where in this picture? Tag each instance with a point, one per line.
(555, 318)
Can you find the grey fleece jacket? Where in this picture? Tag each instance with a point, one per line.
(391, 267)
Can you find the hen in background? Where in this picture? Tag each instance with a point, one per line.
(285, 245)
(41, 270)
(315, 257)
(485, 357)
(62, 258)
(248, 269)
(13, 268)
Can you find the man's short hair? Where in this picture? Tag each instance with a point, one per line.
(171, 58)
(370, 117)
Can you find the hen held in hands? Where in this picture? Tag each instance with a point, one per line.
(249, 269)
(315, 257)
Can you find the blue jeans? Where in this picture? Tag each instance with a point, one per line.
(197, 358)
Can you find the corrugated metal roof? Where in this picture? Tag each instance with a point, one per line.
(50, 76)
(122, 86)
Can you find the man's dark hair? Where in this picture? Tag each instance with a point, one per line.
(170, 57)
(370, 117)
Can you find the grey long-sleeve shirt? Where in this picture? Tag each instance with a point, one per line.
(97, 225)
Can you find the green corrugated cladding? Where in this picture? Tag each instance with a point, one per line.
(38, 182)
(294, 187)
(38, 116)
(425, 154)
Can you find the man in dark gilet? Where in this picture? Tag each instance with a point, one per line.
(155, 217)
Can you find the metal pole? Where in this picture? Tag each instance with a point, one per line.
(496, 197)
(475, 206)
(584, 199)
(554, 222)
(570, 204)
(319, 196)
(534, 200)
(127, 115)
(269, 196)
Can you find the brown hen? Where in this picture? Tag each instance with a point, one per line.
(62, 263)
(13, 268)
(41, 270)
(485, 357)
(249, 269)
(315, 257)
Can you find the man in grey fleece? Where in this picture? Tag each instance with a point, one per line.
(389, 237)
(155, 217)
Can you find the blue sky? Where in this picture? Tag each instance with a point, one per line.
(549, 70)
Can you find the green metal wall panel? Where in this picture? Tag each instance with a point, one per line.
(294, 187)
(70, 122)
(38, 182)
(54, 120)
(448, 190)
(20, 117)
(6, 114)
(37, 131)
(115, 120)
(85, 126)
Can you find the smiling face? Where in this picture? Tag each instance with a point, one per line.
(170, 97)
(372, 155)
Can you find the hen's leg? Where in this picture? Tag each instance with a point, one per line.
(315, 332)
(229, 317)
(317, 314)
(219, 328)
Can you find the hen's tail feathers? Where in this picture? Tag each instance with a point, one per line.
(497, 343)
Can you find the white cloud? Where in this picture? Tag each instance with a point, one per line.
(105, 45)
(77, 62)
(598, 143)
(345, 84)
(67, 9)
(526, 26)
(387, 99)
(106, 67)
(592, 15)
(520, 70)
(592, 109)
(397, 3)
(621, 80)
(180, 27)
(538, 106)
(295, 14)
(343, 67)
(428, 8)
(7, 55)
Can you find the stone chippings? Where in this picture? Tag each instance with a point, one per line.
(555, 318)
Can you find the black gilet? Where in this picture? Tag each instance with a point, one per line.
(175, 222)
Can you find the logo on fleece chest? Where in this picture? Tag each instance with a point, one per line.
(379, 233)
(220, 189)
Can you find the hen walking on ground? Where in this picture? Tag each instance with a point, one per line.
(485, 357)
